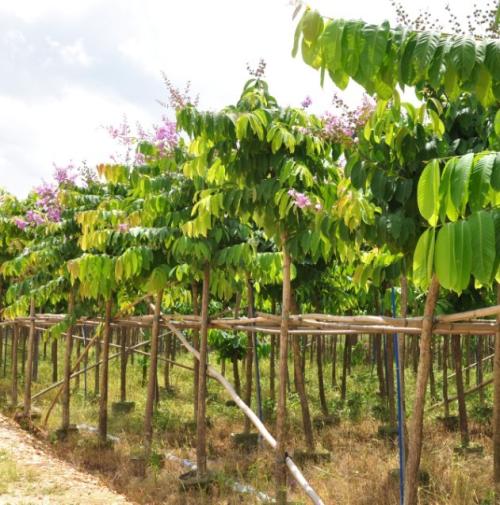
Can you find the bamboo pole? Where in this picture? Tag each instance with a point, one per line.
(467, 392)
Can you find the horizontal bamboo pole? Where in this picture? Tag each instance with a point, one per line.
(472, 365)
(470, 314)
(294, 470)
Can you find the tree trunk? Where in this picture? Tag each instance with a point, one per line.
(301, 390)
(462, 411)
(123, 365)
(249, 356)
(479, 361)
(390, 382)
(15, 341)
(196, 345)
(168, 355)
(272, 360)
(66, 391)
(280, 462)
(432, 380)
(468, 360)
(496, 408)
(103, 400)
(321, 382)
(334, 362)
(97, 372)
(53, 356)
(417, 420)
(445, 375)
(29, 362)
(343, 386)
(201, 424)
(153, 375)
(380, 366)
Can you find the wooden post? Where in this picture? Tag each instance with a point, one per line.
(201, 424)
(321, 383)
(29, 361)
(153, 375)
(280, 464)
(66, 391)
(103, 400)
(123, 364)
(415, 432)
(445, 376)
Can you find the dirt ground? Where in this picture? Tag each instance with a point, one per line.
(30, 475)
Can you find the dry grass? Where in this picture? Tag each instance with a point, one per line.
(357, 474)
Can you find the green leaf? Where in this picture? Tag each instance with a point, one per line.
(428, 192)
(425, 48)
(497, 123)
(453, 256)
(463, 56)
(423, 259)
(437, 124)
(312, 25)
(482, 230)
(480, 181)
(495, 174)
(242, 126)
(459, 182)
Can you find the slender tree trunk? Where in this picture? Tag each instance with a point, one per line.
(445, 375)
(479, 360)
(103, 400)
(168, 355)
(78, 352)
(153, 375)
(301, 390)
(66, 391)
(380, 366)
(29, 365)
(390, 383)
(53, 355)
(15, 341)
(123, 365)
(432, 380)
(462, 411)
(196, 345)
(334, 362)
(36, 356)
(201, 424)
(249, 356)
(417, 420)
(343, 387)
(272, 360)
(468, 360)
(321, 383)
(280, 465)
(496, 407)
(97, 372)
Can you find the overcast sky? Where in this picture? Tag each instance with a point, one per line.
(68, 68)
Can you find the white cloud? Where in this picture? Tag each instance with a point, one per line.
(73, 54)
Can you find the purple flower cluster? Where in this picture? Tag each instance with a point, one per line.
(341, 127)
(164, 137)
(306, 103)
(300, 200)
(20, 223)
(65, 175)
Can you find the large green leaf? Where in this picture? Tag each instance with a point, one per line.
(482, 230)
(495, 173)
(453, 256)
(459, 182)
(480, 181)
(463, 56)
(423, 259)
(428, 192)
(425, 48)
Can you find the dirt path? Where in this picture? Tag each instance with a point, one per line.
(29, 475)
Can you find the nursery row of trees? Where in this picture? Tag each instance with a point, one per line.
(252, 196)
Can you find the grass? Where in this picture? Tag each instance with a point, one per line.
(357, 474)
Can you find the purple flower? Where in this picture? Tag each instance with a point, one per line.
(20, 223)
(34, 218)
(63, 175)
(54, 214)
(123, 227)
(167, 133)
(306, 102)
(300, 200)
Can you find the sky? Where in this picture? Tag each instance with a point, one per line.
(68, 69)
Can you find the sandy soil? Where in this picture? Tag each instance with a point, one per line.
(30, 475)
